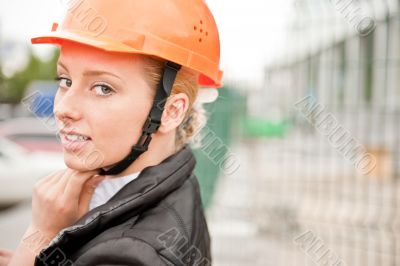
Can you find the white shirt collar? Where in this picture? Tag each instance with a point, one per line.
(108, 188)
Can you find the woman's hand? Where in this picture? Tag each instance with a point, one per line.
(5, 257)
(58, 201)
(61, 198)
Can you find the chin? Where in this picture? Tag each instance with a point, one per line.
(82, 163)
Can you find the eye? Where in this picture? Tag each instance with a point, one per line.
(103, 90)
(64, 82)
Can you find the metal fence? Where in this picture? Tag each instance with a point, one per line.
(330, 187)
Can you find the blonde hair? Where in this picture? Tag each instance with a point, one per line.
(185, 82)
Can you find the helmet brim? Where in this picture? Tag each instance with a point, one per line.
(106, 44)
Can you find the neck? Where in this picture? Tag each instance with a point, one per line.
(161, 147)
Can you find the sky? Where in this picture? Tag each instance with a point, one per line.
(251, 32)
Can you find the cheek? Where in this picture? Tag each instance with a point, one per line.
(116, 129)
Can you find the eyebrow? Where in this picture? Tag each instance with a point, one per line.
(92, 72)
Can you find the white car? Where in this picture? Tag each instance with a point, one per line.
(20, 170)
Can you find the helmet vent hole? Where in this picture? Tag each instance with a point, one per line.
(201, 30)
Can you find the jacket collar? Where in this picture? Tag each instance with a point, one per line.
(152, 185)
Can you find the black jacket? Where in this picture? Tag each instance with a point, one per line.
(156, 219)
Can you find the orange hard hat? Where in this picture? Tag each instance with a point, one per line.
(180, 31)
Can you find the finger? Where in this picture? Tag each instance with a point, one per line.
(74, 173)
(45, 185)
(75, 184)
(55, 188)
(60, 185)
(5, 252)
(87, 193)
(4, 261)
(45, 180)
(63, 182)
(49, 184)
(5, 257)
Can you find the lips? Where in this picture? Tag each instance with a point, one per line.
(71, 142)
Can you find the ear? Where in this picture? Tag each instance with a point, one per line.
(174, 112)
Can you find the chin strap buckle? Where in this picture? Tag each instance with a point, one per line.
(150, 127)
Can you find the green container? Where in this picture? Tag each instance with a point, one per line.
(223, 116)
(258, 127)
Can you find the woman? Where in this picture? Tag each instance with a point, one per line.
(129, 73)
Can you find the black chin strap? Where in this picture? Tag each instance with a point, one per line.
(153, 121)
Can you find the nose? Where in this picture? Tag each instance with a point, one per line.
(67, 107)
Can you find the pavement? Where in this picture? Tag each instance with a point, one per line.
(13, 223)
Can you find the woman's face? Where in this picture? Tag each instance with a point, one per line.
(103, 96)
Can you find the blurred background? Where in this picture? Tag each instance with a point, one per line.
(300, 158)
